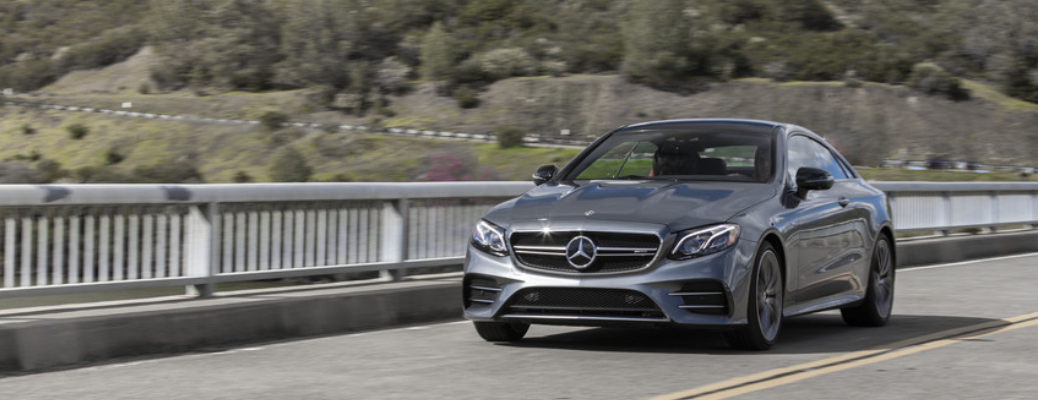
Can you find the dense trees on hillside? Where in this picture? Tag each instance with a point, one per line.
(361, 50)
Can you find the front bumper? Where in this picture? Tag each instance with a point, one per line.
(495, 289)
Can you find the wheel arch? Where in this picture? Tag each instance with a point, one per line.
(888, 230)
(773, 238)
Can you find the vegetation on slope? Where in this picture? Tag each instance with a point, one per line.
(359, 51)
(432, 64)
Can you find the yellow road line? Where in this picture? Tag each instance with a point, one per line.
(796, 373)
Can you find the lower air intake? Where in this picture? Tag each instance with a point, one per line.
(584, 302)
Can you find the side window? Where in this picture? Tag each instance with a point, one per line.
(804, 152)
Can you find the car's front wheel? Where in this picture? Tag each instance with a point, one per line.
(879, 297)
(764, 310)
(501, 331)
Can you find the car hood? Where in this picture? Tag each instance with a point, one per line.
(679, 205)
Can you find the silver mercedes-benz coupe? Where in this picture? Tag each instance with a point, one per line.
(724, 224)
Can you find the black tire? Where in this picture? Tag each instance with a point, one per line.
(879, 296)
(764, 308)
(501, 331)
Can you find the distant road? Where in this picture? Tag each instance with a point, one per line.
(960, 331)
(530, 139)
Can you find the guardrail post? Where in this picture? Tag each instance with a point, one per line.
(204, 225)
(1034, 210)
(995, 217)
(946, 213)
(394, 237)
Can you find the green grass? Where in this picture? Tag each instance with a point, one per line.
(990, 93)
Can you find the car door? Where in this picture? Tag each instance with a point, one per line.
(829, 229)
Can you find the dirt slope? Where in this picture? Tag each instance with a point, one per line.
(870, 122)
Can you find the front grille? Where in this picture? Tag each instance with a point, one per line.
(703, 297)
(615, 252)
(584, 302)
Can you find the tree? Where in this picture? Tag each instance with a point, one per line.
(437, 54)
(1002, 39)
(290, 166)
(318, 38)
(656, 41)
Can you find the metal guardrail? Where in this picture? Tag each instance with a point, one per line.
(944, 206)
(74, 238)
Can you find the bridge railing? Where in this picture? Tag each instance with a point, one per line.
(946, 206)
(75, 238)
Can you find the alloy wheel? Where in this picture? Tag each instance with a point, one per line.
(769, 295)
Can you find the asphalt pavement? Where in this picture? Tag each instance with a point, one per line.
(959, 331)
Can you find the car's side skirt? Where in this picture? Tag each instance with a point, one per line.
(826, 304)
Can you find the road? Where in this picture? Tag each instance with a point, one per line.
(960, 331)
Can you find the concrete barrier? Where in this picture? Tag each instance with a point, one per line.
(968, 247)
(50, 337)
(63, 336)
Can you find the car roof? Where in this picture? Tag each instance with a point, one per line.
(762, 123)
(788, 128)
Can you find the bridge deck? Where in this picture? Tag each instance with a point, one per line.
(818, 357)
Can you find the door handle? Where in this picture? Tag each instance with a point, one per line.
(844, 201)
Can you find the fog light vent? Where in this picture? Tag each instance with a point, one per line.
(704, 297)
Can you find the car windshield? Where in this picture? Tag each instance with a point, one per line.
(702, 153)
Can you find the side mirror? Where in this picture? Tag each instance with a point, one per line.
(544, 173)
(812, 179)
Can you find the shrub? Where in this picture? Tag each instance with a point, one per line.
(27, 75)
(554, 68)
(77, 131)
(391, 75)
(466, 97)
(286, 136)
(113, 157)
(290, 166)
(933, 80)
(503, 63)
(850, 79)
(273, 120)
(509, 136)
(50, 171)
(241, 177)
(28, 129)
(810, 14)
(168, 172)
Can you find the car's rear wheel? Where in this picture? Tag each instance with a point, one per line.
(879, 296)
(764, 310)
(501, 331)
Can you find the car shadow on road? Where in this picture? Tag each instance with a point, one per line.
(817, 333)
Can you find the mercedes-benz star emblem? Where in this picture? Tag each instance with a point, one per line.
(580, 252)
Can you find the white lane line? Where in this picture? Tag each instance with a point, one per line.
(956, 264)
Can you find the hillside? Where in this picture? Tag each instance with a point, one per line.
(869, 123)
(880, 78)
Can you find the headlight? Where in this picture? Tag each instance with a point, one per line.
(489, 238)
(703, 241)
